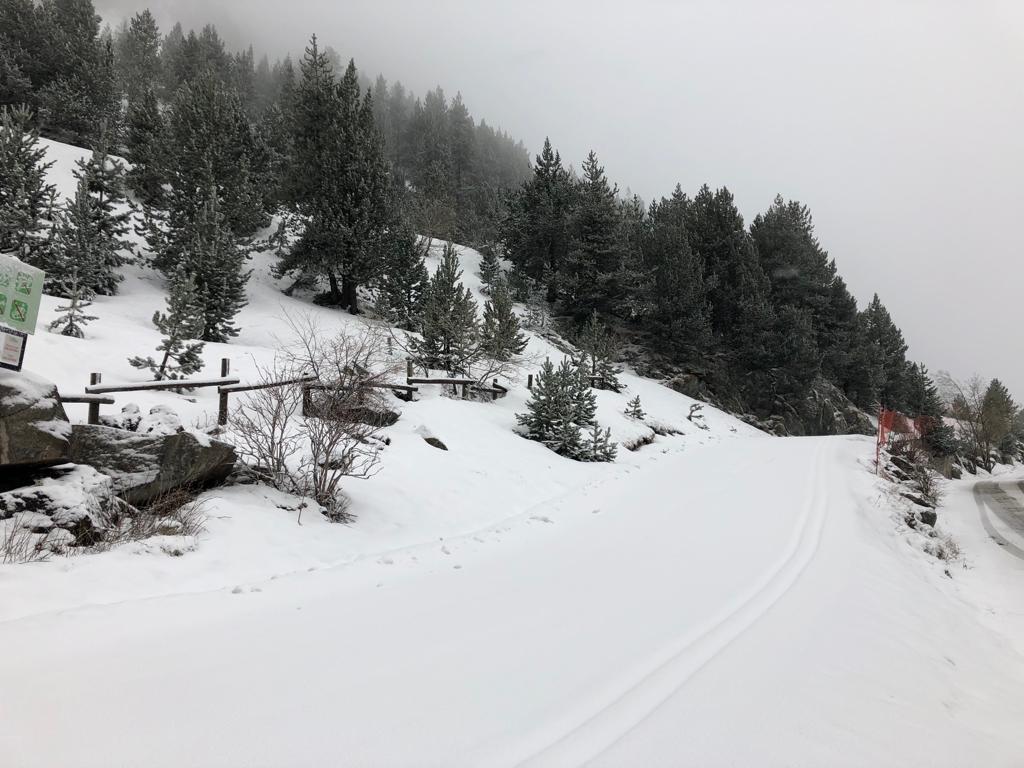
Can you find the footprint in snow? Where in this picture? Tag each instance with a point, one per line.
(446, 550)
(386, 561)
(542, 519)
(236, 591)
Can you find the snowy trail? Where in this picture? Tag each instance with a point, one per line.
(640, 623)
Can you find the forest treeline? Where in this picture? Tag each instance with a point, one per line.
(222, 144)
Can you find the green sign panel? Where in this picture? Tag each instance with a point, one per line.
(21, 288)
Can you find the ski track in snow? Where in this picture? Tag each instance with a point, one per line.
(669, 671)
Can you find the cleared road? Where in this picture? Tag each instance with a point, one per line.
(996, 502)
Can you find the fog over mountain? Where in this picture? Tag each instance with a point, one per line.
(896, 122)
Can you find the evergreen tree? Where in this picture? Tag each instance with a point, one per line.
(490, 269)
(25, 197)
(599, 446)
(338, 188)
(587, 281)
(998, 415)
(137, 55)
(217, 265)
(73, 319)
(674, 296)
(146, 142)
(561, 406)
(181, 325)
(103, 179)
(79, 254)
(598, 360)
(403, 282)
(501, 336)
(535, 230)
(887, 341)
(451, 332)
(635, 410)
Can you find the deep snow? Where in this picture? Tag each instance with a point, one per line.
(716, 598)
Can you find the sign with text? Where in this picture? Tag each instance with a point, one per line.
(21, 289)
(12, 349)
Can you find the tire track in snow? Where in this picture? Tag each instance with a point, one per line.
(611, 720)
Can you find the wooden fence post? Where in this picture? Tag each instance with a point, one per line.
(529, 381)
(408, 370)
(222, 409)
(94, 408)
(494, 394)
(307, 401)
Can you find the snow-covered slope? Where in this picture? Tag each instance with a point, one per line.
(716, 598)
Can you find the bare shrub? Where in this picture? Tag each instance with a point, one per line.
(18, 544)
(175, 513)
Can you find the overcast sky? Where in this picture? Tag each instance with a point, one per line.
(901, 124)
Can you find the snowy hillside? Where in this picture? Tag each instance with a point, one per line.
(716, 597)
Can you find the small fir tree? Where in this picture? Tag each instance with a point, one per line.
(401, 288)
(635, 410)
(599, 445)
(501, 335)
(73, 319)
(181, 325)
(451, 331)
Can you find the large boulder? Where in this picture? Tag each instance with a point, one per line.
(144, 467)
(74, 498)
(34, 429)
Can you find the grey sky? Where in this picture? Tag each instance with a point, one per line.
(899, 123)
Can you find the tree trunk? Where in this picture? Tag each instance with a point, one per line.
(350, 298)
(336, 297)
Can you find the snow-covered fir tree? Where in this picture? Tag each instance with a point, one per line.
(635, 410)
(598, 357)
(78, 253)
(25, 197)
(501, 335)
(401, 287)
(451, 331)
(72, 319)
(182, 326)
(103, 177)
(560, 408)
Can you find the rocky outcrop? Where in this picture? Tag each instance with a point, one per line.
(75, 499)
(144, 467)
(34, 429)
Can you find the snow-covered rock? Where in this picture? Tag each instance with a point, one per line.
(145, 466)
(33, 426)
(74, 500)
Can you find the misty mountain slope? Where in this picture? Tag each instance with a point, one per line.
(489, 473)
(718, 597)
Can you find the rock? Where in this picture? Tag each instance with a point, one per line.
(905, 464)
(75, 498)
(434, 442)
(129, 418)
(161, 420)
(144, 467)
(34, 429)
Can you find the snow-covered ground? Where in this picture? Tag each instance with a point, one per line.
(717, 597)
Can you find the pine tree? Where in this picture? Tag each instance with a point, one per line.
(451, 330)
(338, 187)
(403, 283)
(490, 269)
(103, 177)
(561, 406)
(146, 142)
(599, 351)
(25, 197)
(217, 264)
(891, 349)
(78, 252)
(72, 320)
(501, 336)
(587, 281)
(674, 295)
(181, 325)
(635, 410)
(137, 56)
(599, 445)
